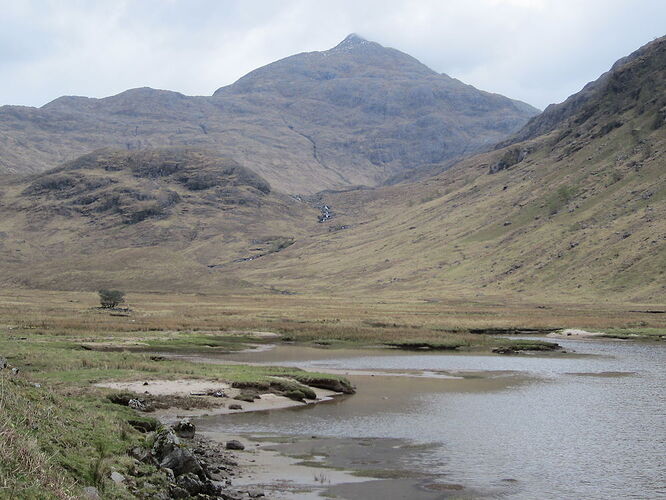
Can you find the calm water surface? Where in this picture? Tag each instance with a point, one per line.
(589, 427)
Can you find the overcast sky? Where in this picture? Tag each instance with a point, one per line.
(539, 51)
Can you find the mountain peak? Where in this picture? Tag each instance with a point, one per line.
(351, 41)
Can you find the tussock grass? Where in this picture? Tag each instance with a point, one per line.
(55, 443)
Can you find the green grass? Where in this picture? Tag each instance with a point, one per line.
(55, 443)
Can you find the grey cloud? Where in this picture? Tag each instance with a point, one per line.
(539, 51)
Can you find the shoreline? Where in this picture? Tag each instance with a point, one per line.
(214, 405)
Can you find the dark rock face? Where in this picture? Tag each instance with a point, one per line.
(359, 113)
(510, 158)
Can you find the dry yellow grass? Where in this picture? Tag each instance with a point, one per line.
(76, 313)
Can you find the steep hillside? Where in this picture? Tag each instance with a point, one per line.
(577, 212)
(151, 220)
(357, 114)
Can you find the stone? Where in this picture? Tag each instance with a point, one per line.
(234, 444)
(235, 406)
(184, 429)
(190, 483)
(91, 493)
(117, 477)
(178, 492)
(171, 477)
(169, 453)
(182, 461)
(142, 455)
(136, 404)
(3, 363)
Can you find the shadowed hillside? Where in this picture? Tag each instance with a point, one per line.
(357, 114)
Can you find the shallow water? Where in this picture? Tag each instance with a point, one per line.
(590, 426)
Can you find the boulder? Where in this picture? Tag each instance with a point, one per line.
(3, 363)
(234, 444)
(117, 477)
(184, 429)
(190, 483)
(169, 453)
(235, 406)
(136, 404)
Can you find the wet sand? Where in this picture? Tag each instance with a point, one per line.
(215, 405)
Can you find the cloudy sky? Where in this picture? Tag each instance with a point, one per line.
(539, 51)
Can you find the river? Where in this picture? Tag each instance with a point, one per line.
(590, 425)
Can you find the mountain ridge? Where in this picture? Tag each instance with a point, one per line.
(356, 114)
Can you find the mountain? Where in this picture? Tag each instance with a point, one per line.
(571, 208)
(357, 114)
(574, 207)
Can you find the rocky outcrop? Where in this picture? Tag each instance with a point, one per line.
(509, 159)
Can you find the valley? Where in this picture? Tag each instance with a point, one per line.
(354, 276)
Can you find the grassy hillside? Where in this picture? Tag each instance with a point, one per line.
(579, 211)
(151, 220)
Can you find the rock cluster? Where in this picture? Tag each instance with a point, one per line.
(201, 470)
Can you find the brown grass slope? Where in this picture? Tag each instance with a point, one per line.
(357, 114)
(577, 212)
(150, 220)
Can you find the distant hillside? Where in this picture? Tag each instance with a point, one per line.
(157, 219)
(357, 114)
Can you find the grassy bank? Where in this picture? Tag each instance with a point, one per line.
(56, 442)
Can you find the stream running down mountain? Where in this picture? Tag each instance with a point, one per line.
(589, 425)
